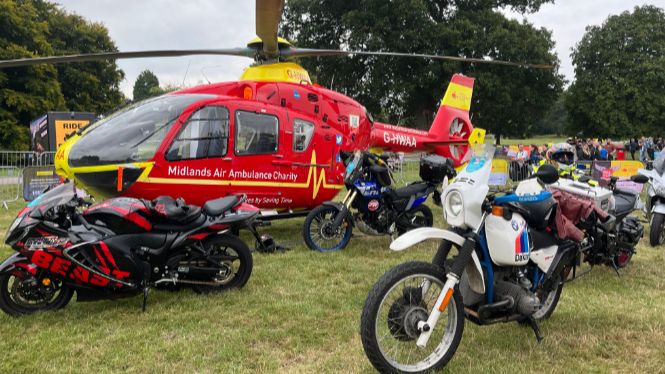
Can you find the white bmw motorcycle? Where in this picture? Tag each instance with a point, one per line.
(508, 268)
(655, 207)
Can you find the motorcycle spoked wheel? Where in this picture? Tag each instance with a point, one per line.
(548, 300)
(22, 293)
(236, 260)
(395, 305)
(319, 234)
(420, 216)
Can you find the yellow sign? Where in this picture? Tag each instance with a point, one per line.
(64, 127)
(626, 168)
(477, 136)
(499, 166)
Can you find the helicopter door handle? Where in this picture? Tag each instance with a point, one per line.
(227, 159)
(281, 162)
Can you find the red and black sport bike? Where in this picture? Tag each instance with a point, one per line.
(121, 247)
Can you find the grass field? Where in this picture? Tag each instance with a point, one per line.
(300, 313)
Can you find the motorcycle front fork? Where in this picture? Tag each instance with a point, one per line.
(346, 207)
(452, 279)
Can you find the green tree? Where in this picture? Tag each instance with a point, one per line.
(619, 87)
(86, 86)
(146, 85)
(555, 120)
(35, 28)
(507, 100)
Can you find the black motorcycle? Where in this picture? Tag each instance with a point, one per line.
(120, 247)
(612, 241)
(379, 209)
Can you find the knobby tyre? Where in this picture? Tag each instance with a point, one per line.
(401, 298)
(318, 233)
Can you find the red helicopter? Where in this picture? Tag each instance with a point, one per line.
(274, 135)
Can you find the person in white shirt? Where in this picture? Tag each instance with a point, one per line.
(522, 155)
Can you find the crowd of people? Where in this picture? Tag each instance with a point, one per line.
(643, 149)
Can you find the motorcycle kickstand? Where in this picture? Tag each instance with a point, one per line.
(616, 269)
(536, 329)
(145, 297)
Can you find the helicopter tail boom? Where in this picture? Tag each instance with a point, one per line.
(450, 133)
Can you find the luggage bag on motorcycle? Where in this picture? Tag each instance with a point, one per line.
(434, 168)
(603, 197)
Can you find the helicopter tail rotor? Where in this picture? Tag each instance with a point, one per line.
(452, 124)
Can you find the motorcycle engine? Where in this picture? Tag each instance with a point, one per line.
(375, 222)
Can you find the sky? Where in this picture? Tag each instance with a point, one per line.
(178, 24)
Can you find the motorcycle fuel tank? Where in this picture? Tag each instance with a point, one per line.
(507, 240)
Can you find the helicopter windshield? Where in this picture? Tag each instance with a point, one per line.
(132, 134)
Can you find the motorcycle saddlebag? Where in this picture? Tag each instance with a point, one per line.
(434, 168)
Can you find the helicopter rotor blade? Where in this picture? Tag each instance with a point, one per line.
(310, 52)
(243, 52)
(268, 14)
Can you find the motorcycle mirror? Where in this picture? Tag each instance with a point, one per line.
(547, 174)
(639, 178)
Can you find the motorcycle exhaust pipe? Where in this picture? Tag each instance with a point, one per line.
(198, 272)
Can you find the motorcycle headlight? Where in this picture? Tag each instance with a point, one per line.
(455, 204)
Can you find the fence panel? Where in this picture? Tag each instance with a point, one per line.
(12, 164)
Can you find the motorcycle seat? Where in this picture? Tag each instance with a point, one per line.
(624, 201)
(410, 190)
(180, 227)
(175, 211)
(539, 214)
(221, 205)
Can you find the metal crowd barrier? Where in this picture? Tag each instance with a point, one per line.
(507, 172)
(12, 165)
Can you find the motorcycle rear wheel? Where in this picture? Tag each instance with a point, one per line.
(395, 305)
(549, 301)
(622, 258)
(22, 293)
(232, 251)
(420, 216)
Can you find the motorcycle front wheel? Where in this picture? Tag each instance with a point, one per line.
(22, 293)
(234, 259)
(403, 297)
(319, 233)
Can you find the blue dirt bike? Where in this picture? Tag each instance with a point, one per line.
(379, 209)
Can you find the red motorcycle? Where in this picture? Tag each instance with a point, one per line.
(121, 247)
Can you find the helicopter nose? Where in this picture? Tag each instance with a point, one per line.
(61, 156)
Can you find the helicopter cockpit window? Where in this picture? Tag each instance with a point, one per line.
(255, 133)
(132, 134)
(204, 135)
(302, 134)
